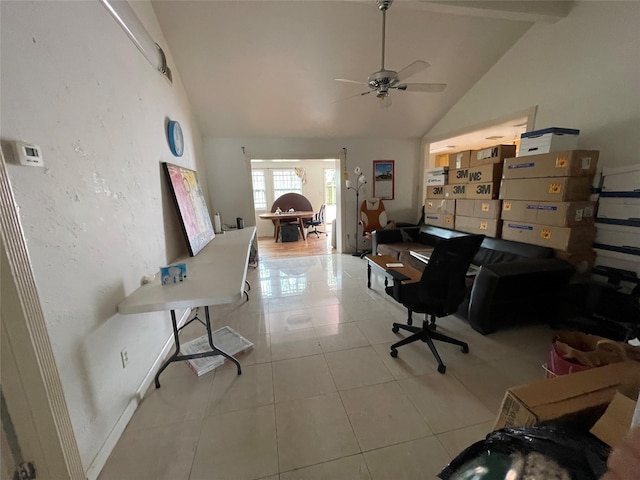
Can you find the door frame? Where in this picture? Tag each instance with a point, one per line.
(44, 419)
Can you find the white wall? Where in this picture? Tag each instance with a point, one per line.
(98, 216)
(226, 160)
(582, 72)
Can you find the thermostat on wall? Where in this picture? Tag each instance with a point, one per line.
(27, 154)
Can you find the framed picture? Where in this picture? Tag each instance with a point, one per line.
(383, 179)
(192, 209)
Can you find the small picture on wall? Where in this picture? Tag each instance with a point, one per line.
(383, 179)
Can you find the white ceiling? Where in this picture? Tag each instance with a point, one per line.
(267, 68)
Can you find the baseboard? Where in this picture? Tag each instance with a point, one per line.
(112, 439)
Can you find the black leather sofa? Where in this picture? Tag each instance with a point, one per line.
(516, 281)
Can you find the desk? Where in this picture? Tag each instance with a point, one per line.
(278, 217)
(379, 264)
(215, 276)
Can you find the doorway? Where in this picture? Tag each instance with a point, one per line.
(317, 179)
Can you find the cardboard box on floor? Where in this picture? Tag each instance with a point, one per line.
(479, 208)
(435, 191)
(490, 227)
(440, 205)
(460, 159)
(557, 189)
(553, 398)
(561, 214)
(572, 163)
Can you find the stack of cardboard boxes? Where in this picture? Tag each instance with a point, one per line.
(546, 201)
(468, 200)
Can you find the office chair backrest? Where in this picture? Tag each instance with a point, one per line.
(320, 215)
(444, 276)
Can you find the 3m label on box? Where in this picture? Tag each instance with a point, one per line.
(458, 176)
(491, 172)
(455, 191)
(483, 190)
(435, 191)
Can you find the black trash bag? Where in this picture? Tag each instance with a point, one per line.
(542, 452)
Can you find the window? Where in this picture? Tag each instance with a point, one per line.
(259, 189)
(286, 181)
(330, 186)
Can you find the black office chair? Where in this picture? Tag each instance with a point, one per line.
(440, 291)
(316, 221)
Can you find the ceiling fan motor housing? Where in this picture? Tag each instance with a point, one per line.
(383, 79)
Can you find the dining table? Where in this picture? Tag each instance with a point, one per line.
(278, 218)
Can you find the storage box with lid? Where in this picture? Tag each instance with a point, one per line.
(568, 163)
(548, 140)
(436, 176)
(621, 179)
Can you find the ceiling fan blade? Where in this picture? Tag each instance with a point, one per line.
(412, 69)
(422, 87)
(349, 81)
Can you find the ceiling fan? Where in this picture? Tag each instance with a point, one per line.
(383, 80)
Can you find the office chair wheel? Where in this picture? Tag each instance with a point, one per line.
(394, 353)
(442, 369)
(465, 349)
(395, 329)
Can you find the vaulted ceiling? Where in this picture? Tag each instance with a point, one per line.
(268, 68)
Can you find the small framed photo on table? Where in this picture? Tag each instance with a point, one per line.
(383, 179)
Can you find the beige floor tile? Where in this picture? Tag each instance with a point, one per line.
(487, 383)
(288, 320)
(259, 353)
(357, 367)
(382, 415)
(301, 378)
(313, 430)
(237, 445)
(418, 459)
(456, 441)
(378, 329)
(295, 343)
(412, 360)
(231, 392)
(347, 468)
(444, 402)
(252, 323)
(182, 396)
(329, 315)
(340, 337)
(157, 453)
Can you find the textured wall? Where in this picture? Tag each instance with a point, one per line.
(582, 72)
(98, 216)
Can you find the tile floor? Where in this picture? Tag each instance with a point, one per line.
(319, 396)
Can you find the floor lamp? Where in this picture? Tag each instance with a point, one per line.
(360, 182)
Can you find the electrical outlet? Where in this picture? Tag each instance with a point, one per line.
(124, 356)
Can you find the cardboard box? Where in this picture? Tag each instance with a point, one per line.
(613, 425)
(436, 180)
(621, 179)
(491, 172)
(495, 154)
(442, 206)
(619, 208)
(439, 220)
(455, 191)
(583, 261)
(461, 175)
(572, 163)
(558, 189)
(552, 398)
(568, 239)
(479, 208)
(460, 159)
(435, 191)
(483, 191)
(548, 140)
(483, 226)
(561, 214)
